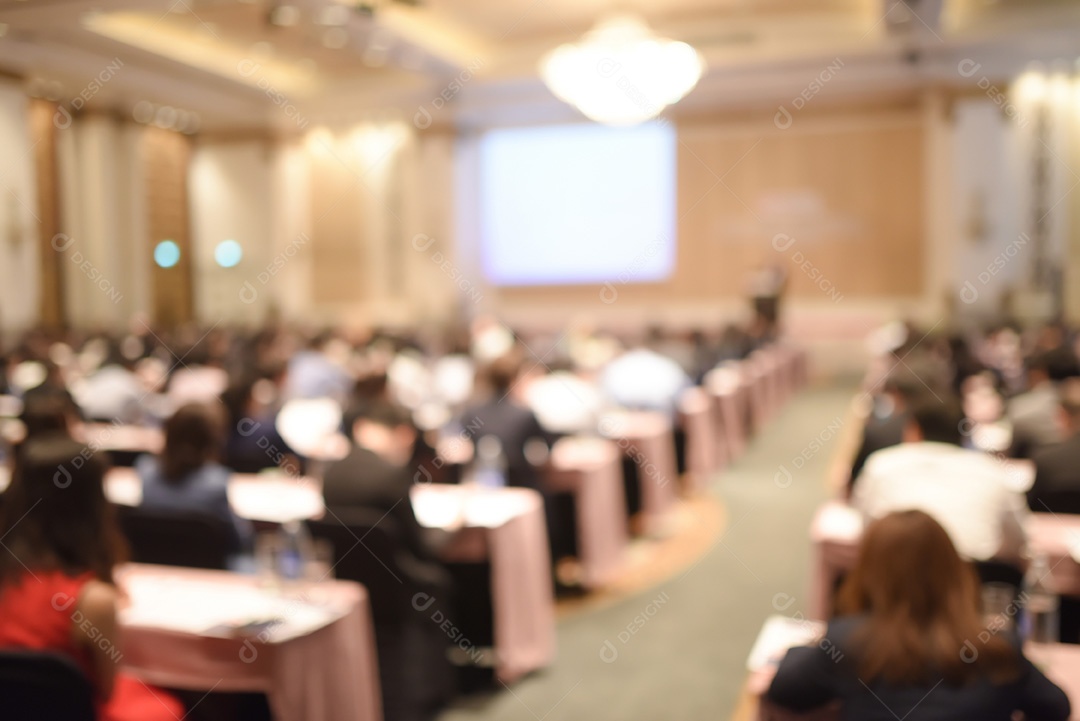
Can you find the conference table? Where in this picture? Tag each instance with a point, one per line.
(505, 527)
(1060, 663)
(647, 439)
(703, 454)
(590, 469)
(314, 656)
(837, 529)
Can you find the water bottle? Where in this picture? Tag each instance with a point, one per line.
(1042, 605)
(294, 551)
(490, 467)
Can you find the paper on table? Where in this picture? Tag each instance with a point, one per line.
(204, 608)
(778, 635)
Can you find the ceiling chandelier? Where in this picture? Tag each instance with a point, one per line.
(620, 73)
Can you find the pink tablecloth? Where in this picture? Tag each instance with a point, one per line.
(702, 451)
(647, 438)
(329, 674)
(590, 468)
(507, 527)
(837, 528)
(731, 405)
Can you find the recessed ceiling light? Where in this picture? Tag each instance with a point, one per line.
(332, 15)
(165, 117)
(143, 112)
(54, 91)
(335, 38)
(285, 15)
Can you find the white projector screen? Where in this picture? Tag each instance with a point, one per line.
(576, 204)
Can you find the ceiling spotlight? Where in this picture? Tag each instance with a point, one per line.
(165, 117)
(143, 112)
(54, 91)
(335, 38)
(332, 15)
(285, 16)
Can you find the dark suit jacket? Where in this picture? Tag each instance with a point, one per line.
(1057, 478)
(363, 479)
(814, 676)
(513, 424)
(877, 434)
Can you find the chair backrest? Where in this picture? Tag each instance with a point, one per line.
(37, 686)
(368, 549)
(177, 538)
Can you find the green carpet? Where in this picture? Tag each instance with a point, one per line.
(684, 657)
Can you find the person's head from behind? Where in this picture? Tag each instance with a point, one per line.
(1069, 399)
(193, 438)
(47, 412)
(55, 514)
(383, 428)
(501, 374)
(903, 389)
(920, 600)
(935, 420)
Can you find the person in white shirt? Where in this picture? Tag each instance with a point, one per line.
(966, 491)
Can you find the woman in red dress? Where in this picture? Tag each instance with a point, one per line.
(56, 575)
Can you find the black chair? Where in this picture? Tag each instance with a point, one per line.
(178, 538)
(409, 599)
(37, 686)
(999, 572)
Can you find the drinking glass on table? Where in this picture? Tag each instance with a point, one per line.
(998, 606)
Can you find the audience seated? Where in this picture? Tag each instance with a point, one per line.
(644, 379)
(889, 417)
(502, 416)
(376, 474)
(1034, 413)
(911, 643)
(57, 591)
(1057, 468)
(967, 491)
(113, 392)
(188, 477)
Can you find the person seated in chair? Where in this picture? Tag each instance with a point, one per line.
(57, 592)
(376, 474)
(911, 642)
(187, 476)
(965, 490)
(1057, 484)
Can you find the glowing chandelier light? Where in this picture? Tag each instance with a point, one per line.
(620, 73)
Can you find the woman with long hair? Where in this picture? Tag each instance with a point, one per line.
(910, 641)
(56, 574)
(187, 476)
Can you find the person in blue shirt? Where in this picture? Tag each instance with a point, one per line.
(187, 476)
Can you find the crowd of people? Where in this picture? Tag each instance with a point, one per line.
(230, 401)
(944, 417)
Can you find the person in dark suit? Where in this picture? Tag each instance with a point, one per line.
(912, 642)
(1057, 468)
(504, 417)
(376, 474)
(888, 418)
